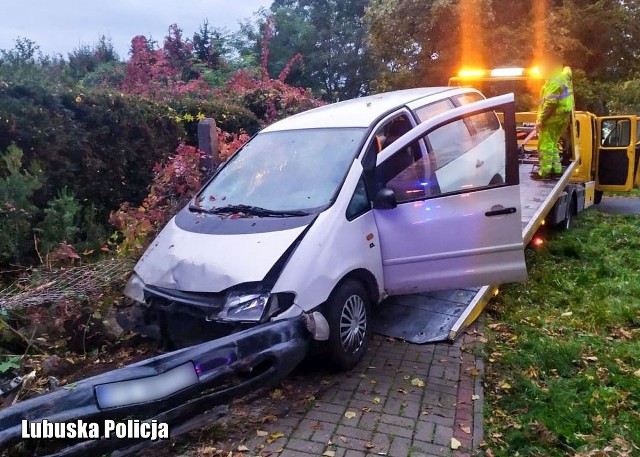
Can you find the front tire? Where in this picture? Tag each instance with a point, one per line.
(348, 314)
(597, 199)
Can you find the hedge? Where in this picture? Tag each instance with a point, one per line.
(102, 145)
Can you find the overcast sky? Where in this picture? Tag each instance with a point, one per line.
(59, 26)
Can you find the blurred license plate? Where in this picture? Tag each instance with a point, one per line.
(147, 389)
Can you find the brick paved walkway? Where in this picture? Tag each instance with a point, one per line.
(381, 408)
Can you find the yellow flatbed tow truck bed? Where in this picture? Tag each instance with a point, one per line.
(443, 315)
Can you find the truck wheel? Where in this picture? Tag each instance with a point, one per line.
(597, 199)
(567, 224)
(348, 314)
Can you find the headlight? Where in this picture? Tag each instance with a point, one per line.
(135, 288)
(243, 307)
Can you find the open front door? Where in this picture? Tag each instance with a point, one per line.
(449, 217)
(616, 155)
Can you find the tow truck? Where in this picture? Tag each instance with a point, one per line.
(600, 155)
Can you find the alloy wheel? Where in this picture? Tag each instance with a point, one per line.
(353, 323)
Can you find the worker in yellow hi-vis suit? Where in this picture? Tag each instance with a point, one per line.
(554, 114)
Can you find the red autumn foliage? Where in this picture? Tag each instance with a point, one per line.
(229, 143)
(148, 71)
(270, 99)
(167, 73)
(174, 184)
(163, 73)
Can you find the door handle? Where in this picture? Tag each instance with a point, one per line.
(499, 211)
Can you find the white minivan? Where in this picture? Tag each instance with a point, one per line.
(330, 211)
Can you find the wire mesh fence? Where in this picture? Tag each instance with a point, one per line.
(43, 286)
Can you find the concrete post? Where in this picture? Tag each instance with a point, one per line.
(208, 144)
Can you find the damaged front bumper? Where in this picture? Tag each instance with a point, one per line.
(172, 387)
(180, 319)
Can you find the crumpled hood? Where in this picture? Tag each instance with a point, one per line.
(198, 262)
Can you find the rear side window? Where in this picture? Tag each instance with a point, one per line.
(449, 142)
(481, 126)
(427, 112)
(468, 98)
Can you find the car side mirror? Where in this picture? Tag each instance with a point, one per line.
(385, 199)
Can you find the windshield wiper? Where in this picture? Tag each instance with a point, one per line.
(247, 209)
(198, 209)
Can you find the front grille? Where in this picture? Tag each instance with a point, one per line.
(201, 303)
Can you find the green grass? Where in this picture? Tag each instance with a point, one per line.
(563, 374)
(634, 193)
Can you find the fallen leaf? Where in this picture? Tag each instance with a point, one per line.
(402, 391)
(592, 358)
(624, 333)
(274, 436)
(261, 433)
(505, 386)
(455, 444)
(369, 445)
(417, 382)
(329, 453)
(531, 372)
(475, 397)
(474, 372)
(637, 373)
(276, 394)
(343, 439)
(376, 401)
(467, 430)
(243, 448)
(350, 414)
(366, 409)
(567, 314)
(269, 418)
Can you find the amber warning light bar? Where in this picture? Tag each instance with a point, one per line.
(511, 72)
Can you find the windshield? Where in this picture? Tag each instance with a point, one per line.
(294, 170)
